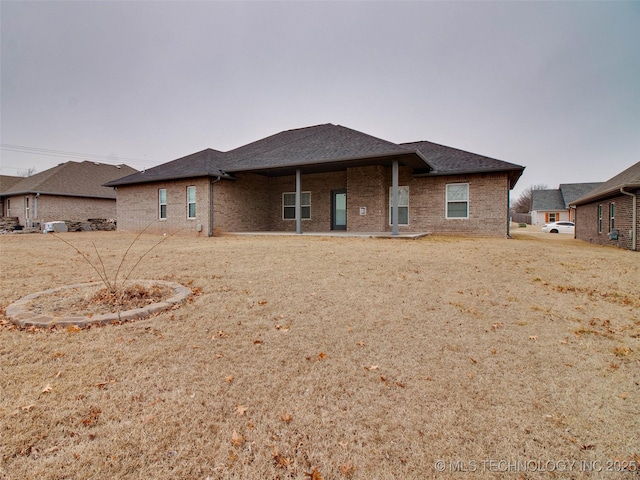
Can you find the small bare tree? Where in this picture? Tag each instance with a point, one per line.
(523, 203)
(26, 172)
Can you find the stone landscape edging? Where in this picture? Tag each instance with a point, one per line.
(19, 314)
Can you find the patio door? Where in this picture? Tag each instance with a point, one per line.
(339, 209)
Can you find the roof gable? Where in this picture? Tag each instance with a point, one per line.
(543, 200)
(629, 178)
(573, 191)
(326, 143)
(205, 163)
(78, 179)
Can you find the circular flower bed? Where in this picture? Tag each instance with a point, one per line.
(91, 303)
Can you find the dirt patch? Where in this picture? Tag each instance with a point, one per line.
(340, 358)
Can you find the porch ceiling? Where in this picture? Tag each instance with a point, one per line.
(411, 159)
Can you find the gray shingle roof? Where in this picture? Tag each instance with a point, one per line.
(542, 200)
(629, 178)
(77, 179)
(326, 143)
(453, 161)
(573, 191)
(206, 163)
(323, 148)
(8, 181)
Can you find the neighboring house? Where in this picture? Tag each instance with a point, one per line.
(6, 182)
(553, 205)
(71, 191)
(609, 214)
(322, 178)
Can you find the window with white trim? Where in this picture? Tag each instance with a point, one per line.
(289, 205)
(191, 202)
(162, 203)
(612, 216)
(8, 207)
(457, 200)
(599, 218)
(403, 205)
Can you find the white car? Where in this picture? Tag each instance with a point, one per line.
(559, 227)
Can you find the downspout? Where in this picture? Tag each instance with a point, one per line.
(634, 217)
(35, 207)
(508, 207)
(211, 182)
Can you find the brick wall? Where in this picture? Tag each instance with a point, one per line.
(254, 203)
(138, 207)
(57, 207)
(587, 221)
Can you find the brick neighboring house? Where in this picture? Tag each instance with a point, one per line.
(553, 205)
(6, 182)
(335, 177)
(71, 191)
(609, 214)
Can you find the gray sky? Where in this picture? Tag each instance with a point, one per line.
(552, 86)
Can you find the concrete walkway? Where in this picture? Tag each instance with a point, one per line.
(411, 236)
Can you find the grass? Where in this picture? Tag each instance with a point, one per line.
(329, 357)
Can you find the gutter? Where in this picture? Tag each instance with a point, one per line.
(634, 217)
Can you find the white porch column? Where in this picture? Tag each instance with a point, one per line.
(298, 202)
(394, 197)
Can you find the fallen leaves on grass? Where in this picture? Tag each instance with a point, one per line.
(313, 475)
(237, 440)
(280, 460)
(28, 408)
(241, 410)
(372, 367)
(46, 389)
(622, 351)
(322, 356)
(92, 417)
(347, 469)
(533, 337)
(285, 417)
(229, 378)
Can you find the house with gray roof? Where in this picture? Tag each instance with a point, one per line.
(554, 205)
(318, 179)
(609, 214)
(71, 191)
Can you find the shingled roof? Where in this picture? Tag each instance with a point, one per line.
(542, 200)
(8, 181)
(322, 148)
(75, 179)
(628, 179)
(206, 163)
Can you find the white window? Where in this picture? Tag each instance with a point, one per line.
(289, 205)
(26, 208)
(162, 203)
(191, 202)
(403, 206)
(599, 218)
(612, 216)
(457, 200)
(8, 207)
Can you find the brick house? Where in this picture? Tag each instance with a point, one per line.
(553, 205)
(608, 215)
(71, 191)
(318, 179)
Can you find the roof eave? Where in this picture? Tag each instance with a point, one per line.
(339, 163)
(602, 195)
(118, 183)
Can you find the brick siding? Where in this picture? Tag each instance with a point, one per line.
(587, 221)
(58, 207)
(254, 203)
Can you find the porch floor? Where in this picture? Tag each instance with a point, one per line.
(411, 236)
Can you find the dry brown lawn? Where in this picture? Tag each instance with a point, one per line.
(308, 357)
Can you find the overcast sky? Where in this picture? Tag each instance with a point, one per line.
(552, 86)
